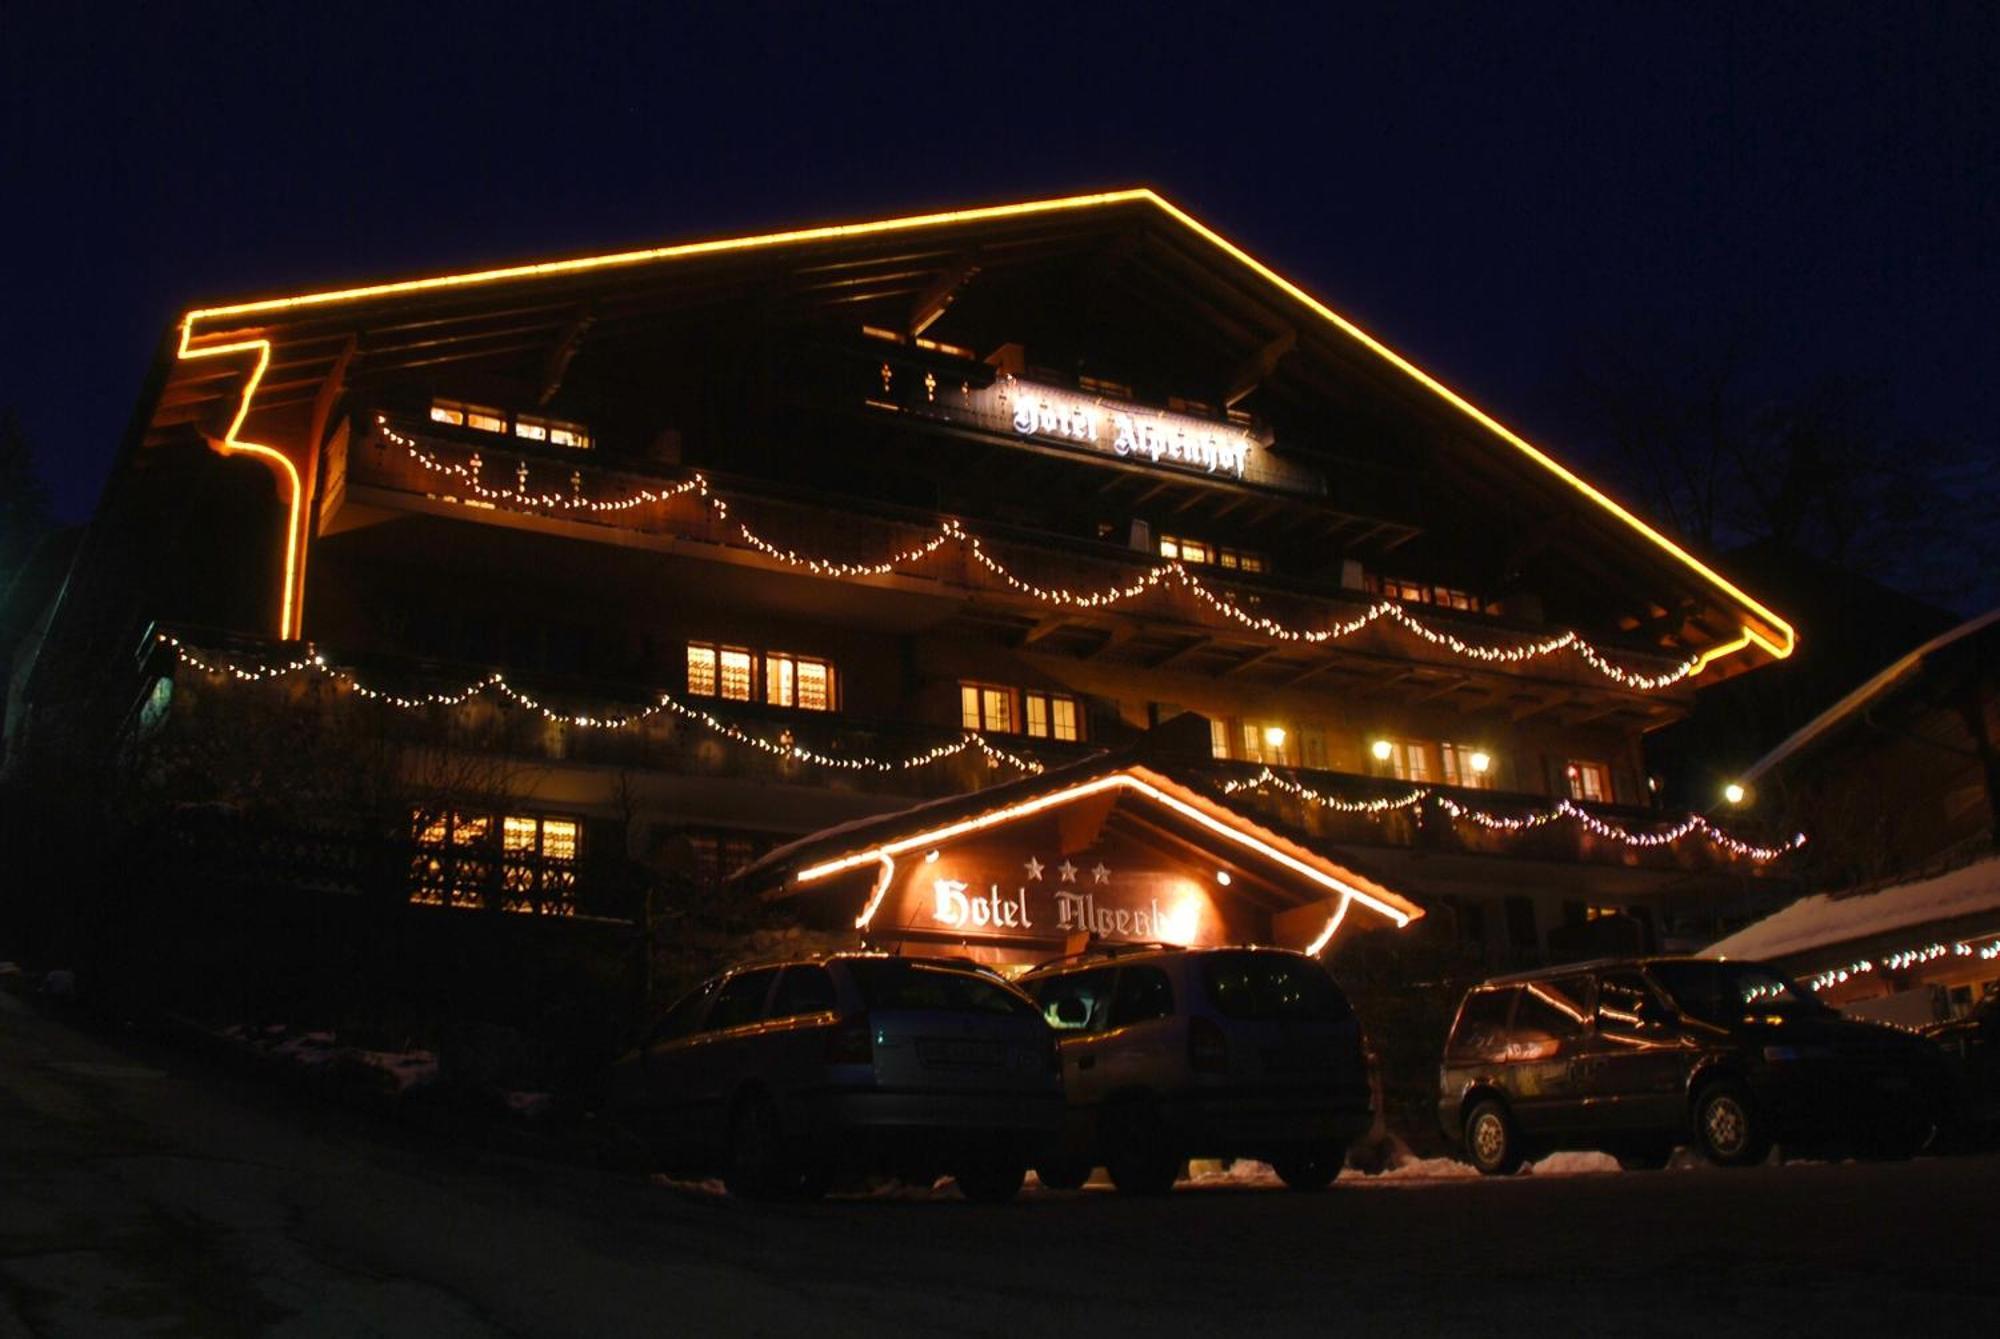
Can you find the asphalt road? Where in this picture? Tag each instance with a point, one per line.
(143, 1193)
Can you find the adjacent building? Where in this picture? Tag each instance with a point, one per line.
(1063, 547)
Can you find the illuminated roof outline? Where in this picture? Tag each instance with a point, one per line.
(1779, 646)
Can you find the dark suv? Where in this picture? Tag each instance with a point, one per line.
(784, 1075)
(1637, 1056)
(1176, 1053)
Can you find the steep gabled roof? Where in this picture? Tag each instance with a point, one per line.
(296, 342)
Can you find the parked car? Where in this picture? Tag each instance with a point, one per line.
(1971, 1046)
(1637, 1056)
(1177, 1053)
(782, 1076)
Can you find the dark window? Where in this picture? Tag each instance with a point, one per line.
(804, 990)
(1624, 1002)
(1552, 1010)
(680, 1020)
(1481, 1030)
(1521, 923)
(1091, 990)
(1143, 993)
(891, 985)
(1270, 986)
(741, 1000)
(1723, 992)
(1472, 922)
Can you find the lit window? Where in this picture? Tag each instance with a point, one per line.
(1465, 765)
(454, 863)
(486, 420)
(1455, 599)
(1599, 913)
(986, 706)
(568, 434)
(1218, 738)
(815, 685)
(1589, 781)
(1252, 562)
(1050, 716)
(448, 413)
(1263, 741)
(736, 674)
(539, 865)
(1169, 547)
(1408, 760)
(1397, 589)
(701, 670)
(533, 429)
(790, 681)
(1193, 551)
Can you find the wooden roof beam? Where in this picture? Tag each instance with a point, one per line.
(567, 343)
(934, 301)
(1259, 365)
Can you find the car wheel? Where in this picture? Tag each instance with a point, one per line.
(1137, 1155)
(1064, 1174)
(757, 1161)
(1311, 1168)
(1726, 1128)
(1491, 1144)
(993, 1182)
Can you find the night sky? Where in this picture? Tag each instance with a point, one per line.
(1488, 187)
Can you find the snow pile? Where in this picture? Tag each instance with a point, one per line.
(1824, 919)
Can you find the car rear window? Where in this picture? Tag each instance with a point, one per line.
(890, 985)
(1268, 987)
(1482, 1023)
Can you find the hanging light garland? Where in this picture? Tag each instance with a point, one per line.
(496, 683)
(1562, 810)
(1914, 956)
(950, 531)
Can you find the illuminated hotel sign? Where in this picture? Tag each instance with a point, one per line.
(996, 896)
(1031, 412)
(1126, 430)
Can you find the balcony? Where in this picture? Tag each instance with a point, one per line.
(402, 464)
(312, 731)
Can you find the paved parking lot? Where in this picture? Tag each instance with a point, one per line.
(142, 1193)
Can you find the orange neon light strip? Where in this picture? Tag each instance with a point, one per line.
(1780, 647)
(288, 611)
(888, 851)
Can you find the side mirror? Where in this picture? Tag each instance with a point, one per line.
(1072, 1012)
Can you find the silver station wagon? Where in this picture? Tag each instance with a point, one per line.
(783, 1077)
(1177, 1053)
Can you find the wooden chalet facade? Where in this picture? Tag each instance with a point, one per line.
(710, 548)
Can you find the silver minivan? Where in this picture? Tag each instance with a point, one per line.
(783, 1076)
(1177, 1053)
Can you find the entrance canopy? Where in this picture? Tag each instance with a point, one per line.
(1109, 849)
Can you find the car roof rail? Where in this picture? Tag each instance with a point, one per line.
(1107, 951)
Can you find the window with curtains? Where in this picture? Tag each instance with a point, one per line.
(778, 678)
(993, 708)
(523, 863)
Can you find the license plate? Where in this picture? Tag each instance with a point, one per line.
(954, 1054)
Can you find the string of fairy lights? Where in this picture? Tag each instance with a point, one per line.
(1902, 959)
(950, 531)
(1564, 810)
(784, 747)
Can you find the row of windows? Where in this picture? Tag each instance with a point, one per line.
(528, 427)
(1202, 552)
(1420, 761)
(1419, 592)
(999, 709)
(527, 862)
(779, 678)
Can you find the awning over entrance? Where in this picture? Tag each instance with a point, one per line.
(1111, 849)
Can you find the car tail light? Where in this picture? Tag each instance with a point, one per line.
(1208, 1049)
(851, 1043)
